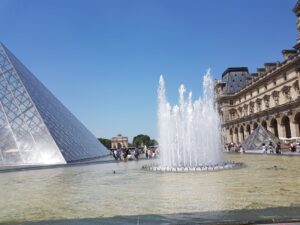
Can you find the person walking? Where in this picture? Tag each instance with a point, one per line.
(278, 148)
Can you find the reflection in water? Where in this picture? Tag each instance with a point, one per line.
(93, 191)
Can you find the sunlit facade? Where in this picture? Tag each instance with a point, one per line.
(270, 97)
(35, 127)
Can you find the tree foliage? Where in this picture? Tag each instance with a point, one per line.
(105, 142)
(142, 139)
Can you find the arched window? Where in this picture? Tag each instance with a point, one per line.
(264, 124)
(274, 126)
(285, 122)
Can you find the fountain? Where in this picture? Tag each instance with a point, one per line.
(189, 133)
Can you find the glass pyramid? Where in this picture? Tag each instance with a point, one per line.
(35, 127)
(259, 137)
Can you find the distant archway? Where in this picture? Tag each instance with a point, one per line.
(242, 133)
(255, 125)
(274, 126)
(231, 135)
(248, 129)
(264, 124)
(285, 122)
(236, 131)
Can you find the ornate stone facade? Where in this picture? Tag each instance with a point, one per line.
(271, 98)
(119, 142)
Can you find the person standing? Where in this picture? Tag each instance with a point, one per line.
(278, 148)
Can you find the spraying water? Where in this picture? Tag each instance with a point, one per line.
(189, 133)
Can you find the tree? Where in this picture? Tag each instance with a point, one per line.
(142, 139)
(153, 142)
(105, 142)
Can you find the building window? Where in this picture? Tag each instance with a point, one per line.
(275, 96)
(250, 93)
(232, 116)
(274, 81)
(257, 90)
(258, 105)
(251, 107)
(266, 86)
(286, 92)
(245, 110)
(284, 76)
(240, 111)
(267, 101)
(230, 102)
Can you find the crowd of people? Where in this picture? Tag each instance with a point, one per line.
(234, 147)
(295, 147)
(125, 154)
(268, 148)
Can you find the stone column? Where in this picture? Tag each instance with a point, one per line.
(227, 136)
(294, 130)
(246, 134)
(269, 128)
(235, 137)
(294, 127)
(281, 131)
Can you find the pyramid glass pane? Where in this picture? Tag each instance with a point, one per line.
(35, 127)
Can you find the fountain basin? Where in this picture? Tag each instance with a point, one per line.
(200, 168)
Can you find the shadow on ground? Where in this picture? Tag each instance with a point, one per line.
(246, 216)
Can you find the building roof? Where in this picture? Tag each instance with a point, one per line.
(235, 69)
(296, 8)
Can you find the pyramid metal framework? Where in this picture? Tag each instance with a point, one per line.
(35, 127)
(258, 137)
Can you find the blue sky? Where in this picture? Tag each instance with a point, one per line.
(103, 58)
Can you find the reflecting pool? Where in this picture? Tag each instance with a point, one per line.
(94, 192)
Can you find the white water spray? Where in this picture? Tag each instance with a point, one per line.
(189, 133)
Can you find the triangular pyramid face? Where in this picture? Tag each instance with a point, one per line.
(35, 127)
(259, 137)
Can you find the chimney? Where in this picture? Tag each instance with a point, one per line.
(287, 54)
(269, 66)
(260, 71)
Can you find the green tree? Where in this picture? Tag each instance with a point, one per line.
(153, 142)
(141, 140)
(105, 142)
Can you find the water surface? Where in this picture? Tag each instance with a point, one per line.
(94, 191)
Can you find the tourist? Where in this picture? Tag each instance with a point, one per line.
(293, 147)
(231, 147)
(146, 152)
(136, 153)
(119, 154)
(271, 147)
(236, 147)
(298, 146)
(125, 153)
(115, 153)
(264, 148)
(129, 156)
(149, 153)
(278, 148)
(241, 149)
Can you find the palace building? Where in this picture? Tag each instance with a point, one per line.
(269, 97)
